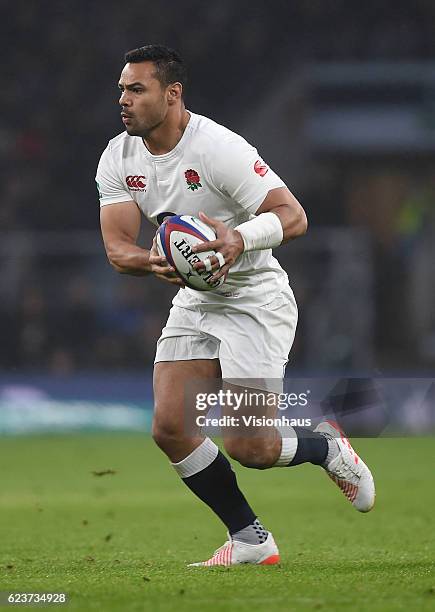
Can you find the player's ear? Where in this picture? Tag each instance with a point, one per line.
(174, 92)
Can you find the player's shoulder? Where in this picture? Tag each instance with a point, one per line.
(213, 136)
(120, 143)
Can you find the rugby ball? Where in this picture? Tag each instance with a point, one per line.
(175, 238)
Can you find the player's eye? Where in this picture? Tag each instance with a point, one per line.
(137, 90)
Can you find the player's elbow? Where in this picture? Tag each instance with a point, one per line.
(115, 259)
(302, 224)
(118, 268)
(298, 225)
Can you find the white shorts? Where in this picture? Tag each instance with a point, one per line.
(250, 342)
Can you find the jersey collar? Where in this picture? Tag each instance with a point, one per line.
(178, 147)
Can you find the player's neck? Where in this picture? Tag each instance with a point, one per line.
(166, 137)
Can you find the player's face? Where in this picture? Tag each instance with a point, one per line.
(143, 99)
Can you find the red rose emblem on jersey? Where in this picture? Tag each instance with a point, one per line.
(260, 167)
(192, 179)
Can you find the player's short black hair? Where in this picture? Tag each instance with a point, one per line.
(169, 65)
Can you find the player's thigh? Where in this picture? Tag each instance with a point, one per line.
(255, 342)
(251, 403)
(171, 380)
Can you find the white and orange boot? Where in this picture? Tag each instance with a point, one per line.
(236, 553)
(347, 470)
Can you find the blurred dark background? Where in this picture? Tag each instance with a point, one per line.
(339, 97)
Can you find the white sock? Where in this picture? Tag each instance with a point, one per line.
(289, 445)
(198, 460)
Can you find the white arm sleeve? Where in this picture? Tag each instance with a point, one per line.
(110, 187)
(240, 172)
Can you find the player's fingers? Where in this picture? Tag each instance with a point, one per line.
(208, 220)
(211, 263)
(162, 269)
(220, 259)
(206, 264)
(155, 257)
(174, 280)
(222, 272)
(159, 261)
(212, 245)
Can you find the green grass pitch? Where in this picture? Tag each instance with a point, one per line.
(121, 541)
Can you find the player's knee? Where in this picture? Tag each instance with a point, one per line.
(250, 452)
(165, 433)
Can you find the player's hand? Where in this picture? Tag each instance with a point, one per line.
(160, 267)
(228, 243)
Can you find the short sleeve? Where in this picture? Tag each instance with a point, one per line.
(240, 172)
(110, 188)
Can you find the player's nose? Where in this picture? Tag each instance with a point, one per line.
(124, 99)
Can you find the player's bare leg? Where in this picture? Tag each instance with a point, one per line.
(262, 446)
(206, 471)
(171, 432)
(250, 445)
(326, 446)
(337, 457)
(203, 468)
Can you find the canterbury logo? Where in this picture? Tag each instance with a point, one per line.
(136, 182)
(260, 167)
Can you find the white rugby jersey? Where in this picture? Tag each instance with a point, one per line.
(213, 170)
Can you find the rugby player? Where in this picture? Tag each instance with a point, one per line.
(172, 161)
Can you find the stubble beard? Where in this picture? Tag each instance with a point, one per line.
(142, 131)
